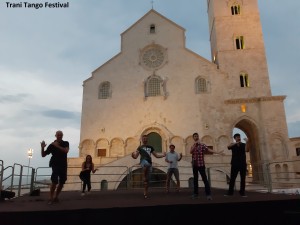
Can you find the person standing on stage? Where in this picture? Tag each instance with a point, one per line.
(145, 151)
(172, 159)
(58, 162)
(238, 165)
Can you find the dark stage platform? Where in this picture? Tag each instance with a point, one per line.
(129, 207)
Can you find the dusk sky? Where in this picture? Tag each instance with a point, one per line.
(47, 53)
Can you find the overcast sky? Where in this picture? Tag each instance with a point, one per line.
(46, 54)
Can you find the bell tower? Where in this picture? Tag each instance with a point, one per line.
(237, 47)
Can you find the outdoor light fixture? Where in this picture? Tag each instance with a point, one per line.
(29, 154)
(243, 108)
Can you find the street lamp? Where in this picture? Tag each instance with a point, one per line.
(29, 154)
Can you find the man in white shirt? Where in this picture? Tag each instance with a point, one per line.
(172, 158)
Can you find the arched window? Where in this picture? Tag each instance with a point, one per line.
(244, 80)
(235, 9)
(152, 29)
(278, 172)
(201, 85)
(154, 86)
(239, 42)
(104, 90)
(286, 172)
(298, 151)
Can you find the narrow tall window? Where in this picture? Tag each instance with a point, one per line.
(235, 10)
(239, 42)
(104, 90)
(244, 80)
(152, 29)
(215, 58)
(201, 86)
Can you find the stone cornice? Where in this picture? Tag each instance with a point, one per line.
(255, 100)
(295, 139)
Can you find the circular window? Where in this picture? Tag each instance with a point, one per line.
(153, 57)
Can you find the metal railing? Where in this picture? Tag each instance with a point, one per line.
(268, 177)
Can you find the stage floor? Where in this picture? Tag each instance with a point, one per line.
(131, 198)
(121, 205)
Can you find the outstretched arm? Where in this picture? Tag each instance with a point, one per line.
(158, 155)
(215, 152)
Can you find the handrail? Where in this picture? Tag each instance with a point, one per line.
(20, 178)
(271, 178)
(4, 179)
(1, 173)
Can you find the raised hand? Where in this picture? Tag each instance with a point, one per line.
(43, 144)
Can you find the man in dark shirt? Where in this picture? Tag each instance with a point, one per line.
(145, 151)
(59, 150)
(238, 165)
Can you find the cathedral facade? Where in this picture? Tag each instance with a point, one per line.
(157, 86)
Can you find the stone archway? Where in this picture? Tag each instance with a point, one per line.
(251, 131)
(155, 140)
(157, 179)
(161, 132)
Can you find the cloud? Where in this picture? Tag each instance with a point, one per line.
(47, 54)
(60, 114)
(13, 98)
(32, 108)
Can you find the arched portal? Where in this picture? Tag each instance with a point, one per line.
(251, 132)
(135, 179)
(157, 139)
(154, 139)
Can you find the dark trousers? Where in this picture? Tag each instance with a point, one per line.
(233, 175)
(86, 182)
(202, 172)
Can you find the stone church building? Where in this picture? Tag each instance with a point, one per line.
(157, 86)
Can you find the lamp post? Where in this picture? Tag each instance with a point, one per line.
(29, 154)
